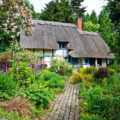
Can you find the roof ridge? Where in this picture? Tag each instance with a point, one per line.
(88, 33)
(42, 22)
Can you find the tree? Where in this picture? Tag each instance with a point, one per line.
(89, 26)
(113, 11)
(58, 11)
(78, 10)
(93, 17)
(107, 31)
(13, 15)
(86, 17)
(62, 11)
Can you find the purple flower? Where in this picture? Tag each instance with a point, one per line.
(35, 65)
(2, 71)
(31, 70)
(18, 61)
(119, 65)
(30, 65)
(38, 67)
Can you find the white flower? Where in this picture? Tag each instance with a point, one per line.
(1, 2)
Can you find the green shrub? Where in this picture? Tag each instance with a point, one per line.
(25, 56)
(7, 86)
(68, 71)
(115, 66)
(77, 77)
(111, 71)
(39, 96)
(49, 75)
(81, 70)
(101, 73)
(90, 70)
(95, 102)
(61, 67)
(115, 81)
(21, 74)
(10, 116)
(54, 83)
(92, 100)
(86, 116)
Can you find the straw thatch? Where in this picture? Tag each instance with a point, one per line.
(46, 35)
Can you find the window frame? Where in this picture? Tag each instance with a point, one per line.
(87, 61)
(62, 45)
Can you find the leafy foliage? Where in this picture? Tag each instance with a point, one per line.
(101, 73)
(99, 96)
(10, 115)
(5, 64)
(21, 74)
(113, 11)
(55, 83)
(49, 75)
(90, 70)
(93, 17)
(77, 77)
(25, 56)
(77, 7)
(62, 11)
(58, 11)
(61, 67)
(39, 96)
(7, 87)
(89, 26)
(87, 116)
(107, 30)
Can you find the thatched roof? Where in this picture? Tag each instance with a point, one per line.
(46, 35)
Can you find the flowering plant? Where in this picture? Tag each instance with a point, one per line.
(13, 15)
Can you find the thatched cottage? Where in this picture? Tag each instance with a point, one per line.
(66, 41)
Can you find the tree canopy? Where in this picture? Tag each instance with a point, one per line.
(107, 30)
(113, 11)
(103, 26)
(62, 11)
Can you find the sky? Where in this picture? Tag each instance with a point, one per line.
(90, 4)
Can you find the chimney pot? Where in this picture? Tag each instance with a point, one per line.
(79, 24)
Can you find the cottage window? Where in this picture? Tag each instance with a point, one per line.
(76, 61)
(87, 61)
(62, 45)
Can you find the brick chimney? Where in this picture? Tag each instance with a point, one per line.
(79, 24)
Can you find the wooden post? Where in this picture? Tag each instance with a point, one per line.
(95, 62)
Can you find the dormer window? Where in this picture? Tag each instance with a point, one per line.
(62, 45)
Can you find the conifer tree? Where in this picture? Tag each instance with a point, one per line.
(93, 17)
(77, 7)
(58, 11)
(107, 30)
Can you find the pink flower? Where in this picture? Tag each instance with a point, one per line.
(1, 2)
(16, 7)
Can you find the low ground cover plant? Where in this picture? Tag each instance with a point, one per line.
(7, 87)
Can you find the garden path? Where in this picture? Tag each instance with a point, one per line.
(65, 106)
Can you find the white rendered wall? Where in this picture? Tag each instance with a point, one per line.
(83, 63)
(48, 53)
(47, 61)
(60, 53)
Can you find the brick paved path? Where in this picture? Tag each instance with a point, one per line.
(65, 106)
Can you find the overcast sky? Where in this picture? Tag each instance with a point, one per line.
(90, 4)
